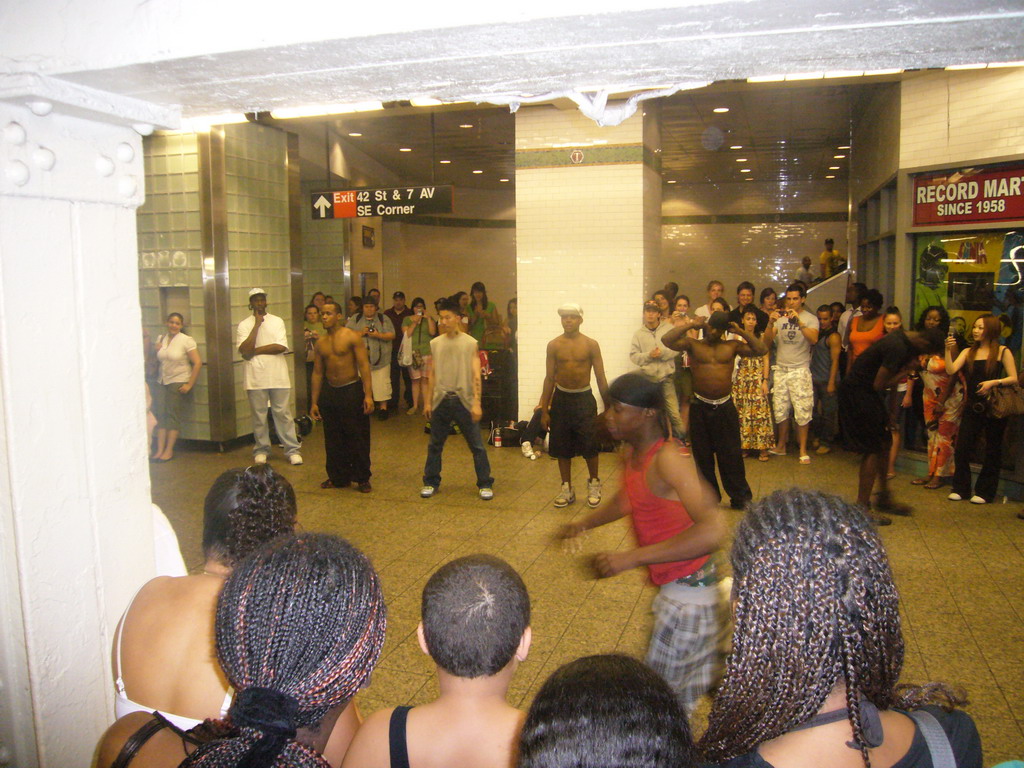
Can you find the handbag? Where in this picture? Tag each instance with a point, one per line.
(405, 351)
(1005, 401)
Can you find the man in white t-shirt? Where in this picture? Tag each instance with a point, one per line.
(794, 331)
(262, 341)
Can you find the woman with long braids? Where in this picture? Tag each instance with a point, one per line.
(300, 625)
(818, 650)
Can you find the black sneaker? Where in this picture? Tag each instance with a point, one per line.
(382, 415)
(364, 487)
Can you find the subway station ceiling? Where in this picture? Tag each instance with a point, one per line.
(703, 49)
(771, 132)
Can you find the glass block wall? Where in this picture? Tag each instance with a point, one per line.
(256, 187)
(170, 254)
(324, 245)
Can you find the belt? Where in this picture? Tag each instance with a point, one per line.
(451, 394)
(709, 401)
(560, 388)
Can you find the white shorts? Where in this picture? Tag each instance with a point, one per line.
(794, 390)
(381, 380)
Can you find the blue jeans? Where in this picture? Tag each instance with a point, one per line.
(448, 410)
(283, 422)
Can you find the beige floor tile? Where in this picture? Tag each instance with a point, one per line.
(960, 569)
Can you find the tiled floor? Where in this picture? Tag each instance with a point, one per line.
(960, 567)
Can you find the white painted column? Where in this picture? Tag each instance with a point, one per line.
(75, 526)
(585, 225)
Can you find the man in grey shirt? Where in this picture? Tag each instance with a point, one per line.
(453, 395)
(656, 361)
(794, 331)
(379, 334)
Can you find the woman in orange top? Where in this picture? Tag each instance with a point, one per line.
(866, 329)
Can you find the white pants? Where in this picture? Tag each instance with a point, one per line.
(283, 422)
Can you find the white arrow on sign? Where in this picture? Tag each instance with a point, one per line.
(322, 204)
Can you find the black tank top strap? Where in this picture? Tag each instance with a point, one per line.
(396, 738)
(138, 740)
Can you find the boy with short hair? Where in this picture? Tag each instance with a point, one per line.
(476, 627)
(453, 395)
(678, 526)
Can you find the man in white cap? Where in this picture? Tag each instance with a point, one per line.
(568, 407)
(262, 341)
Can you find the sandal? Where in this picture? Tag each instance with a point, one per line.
(937, 483)
(922, 481)
(763, 457)
(805, 459)
(775, 452)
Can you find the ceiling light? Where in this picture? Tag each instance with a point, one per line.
(426, 102)
(466, 125)
(833, 167)
(445, 162)
(502, 179)
(721, 110)
(749, 178)
(741, 159)
(736, 146)
(477, 171)
(838, 157)
(355, 134)
(952, 67)
(845, 146)
(766, 79)
(405, 149)
(326, 109)
(830, 177)
(744, 170)
(671, 181)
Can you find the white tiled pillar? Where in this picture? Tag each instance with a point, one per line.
(75, 522)
(587, 212)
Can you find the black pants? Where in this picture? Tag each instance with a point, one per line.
(398, 375)
(715, 430)
(346, 433)
(972, 426)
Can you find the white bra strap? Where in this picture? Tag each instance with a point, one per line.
(118, 682)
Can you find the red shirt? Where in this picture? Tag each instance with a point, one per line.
(656, 519)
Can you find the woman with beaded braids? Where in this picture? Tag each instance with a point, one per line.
(300, 625)
(818, 650)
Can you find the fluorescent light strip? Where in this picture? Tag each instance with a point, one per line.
(200, 124)
(320, 110)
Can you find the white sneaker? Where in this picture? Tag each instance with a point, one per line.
(295, 459)
(566, 496)
(427, 491)
(259, 458)
(954, 496)
(593, 492)
(486, 494)
(978, 500)
(527, 450)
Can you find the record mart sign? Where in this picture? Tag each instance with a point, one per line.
(969, 197)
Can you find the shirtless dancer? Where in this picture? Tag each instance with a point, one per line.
(714, 422)
(345, 408)
(568, 405)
